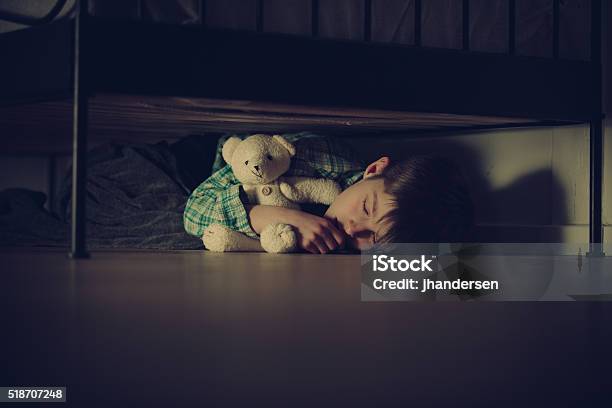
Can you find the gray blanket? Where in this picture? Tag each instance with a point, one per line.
(135, 199)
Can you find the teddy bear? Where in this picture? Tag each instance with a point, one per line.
(259, 162)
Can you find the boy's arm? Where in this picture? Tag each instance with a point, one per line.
(217, 201)
(315, 234)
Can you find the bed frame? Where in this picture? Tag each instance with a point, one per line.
(100, 75)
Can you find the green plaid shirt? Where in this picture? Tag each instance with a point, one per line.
(218, 200)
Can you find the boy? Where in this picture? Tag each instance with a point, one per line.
(423, 199)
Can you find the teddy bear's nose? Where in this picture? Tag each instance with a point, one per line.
(256, 168)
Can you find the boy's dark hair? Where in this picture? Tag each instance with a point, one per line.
(432, 201)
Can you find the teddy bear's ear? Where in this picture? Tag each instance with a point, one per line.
(228, 148)
(285, 144)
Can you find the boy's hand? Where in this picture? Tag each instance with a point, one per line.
(315, 234)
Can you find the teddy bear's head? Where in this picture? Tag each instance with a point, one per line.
(258, 159)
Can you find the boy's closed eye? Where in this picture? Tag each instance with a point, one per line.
(359, 210)
(369, 204)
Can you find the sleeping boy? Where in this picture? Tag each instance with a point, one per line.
(421, 199)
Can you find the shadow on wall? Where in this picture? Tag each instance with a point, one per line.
(518, 212)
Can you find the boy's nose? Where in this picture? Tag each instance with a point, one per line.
(256, 168)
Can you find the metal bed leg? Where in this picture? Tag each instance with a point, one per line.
(595, 188)
(596, 136)
(78, 248)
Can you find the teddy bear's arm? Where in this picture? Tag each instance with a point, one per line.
(310, 190)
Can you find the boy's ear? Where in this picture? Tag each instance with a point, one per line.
(228, 148)
(376, 168)
(283, 142)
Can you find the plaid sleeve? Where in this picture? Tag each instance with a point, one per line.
(217, 201)
(325, 157)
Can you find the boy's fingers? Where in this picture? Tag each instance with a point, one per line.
(321, 245)
(315, 246)
(337, 235)
(314, 249)
(330, 240)
(311, 248)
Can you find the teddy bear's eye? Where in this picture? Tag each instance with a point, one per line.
(246, 163)
(269, 157)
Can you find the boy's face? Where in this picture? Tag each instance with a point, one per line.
(358, 210)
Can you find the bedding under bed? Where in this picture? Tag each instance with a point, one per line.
(135, 199)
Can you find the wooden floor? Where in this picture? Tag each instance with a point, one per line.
(198, 328)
